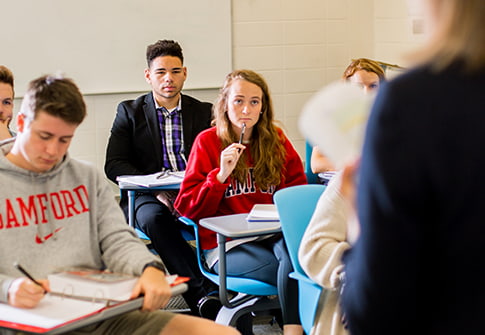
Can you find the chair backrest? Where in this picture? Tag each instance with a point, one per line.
(295, 206)
(311, 177)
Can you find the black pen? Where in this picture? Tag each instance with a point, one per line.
(28, 275)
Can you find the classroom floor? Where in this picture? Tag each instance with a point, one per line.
(262, 325)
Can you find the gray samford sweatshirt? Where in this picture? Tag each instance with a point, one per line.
(62, 218)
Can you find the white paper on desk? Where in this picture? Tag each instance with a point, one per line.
(334, 120)
(151, 180)
(50, 312)
(263, 213)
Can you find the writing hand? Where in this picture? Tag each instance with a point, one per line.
(153, 285)
(24, 293)
(229, 159)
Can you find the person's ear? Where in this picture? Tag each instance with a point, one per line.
(147, 75)
(20, 122)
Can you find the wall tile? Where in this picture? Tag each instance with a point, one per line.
(390, 8)
(338, 55)
(337, 9)
(304, 56)
(300, 81)
(259, 58)
(392, 30)
(258, 33)
(275, 80)
(337, 31)
(307, 10)
(256, 10)
(294, 103)
(304, 32)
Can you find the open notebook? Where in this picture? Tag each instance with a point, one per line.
(57, 313)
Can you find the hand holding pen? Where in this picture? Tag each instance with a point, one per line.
(26, 292)
(230, 157)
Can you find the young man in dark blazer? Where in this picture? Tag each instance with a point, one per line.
(152, 133)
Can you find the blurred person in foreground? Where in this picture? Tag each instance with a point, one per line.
(421, 189)
(366, 74)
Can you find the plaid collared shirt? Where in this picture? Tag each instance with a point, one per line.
(171, 134)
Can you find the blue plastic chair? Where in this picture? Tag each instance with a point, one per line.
(295, 206)
(253, 295)
(311, 177)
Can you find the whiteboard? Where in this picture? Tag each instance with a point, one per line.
(101, 44)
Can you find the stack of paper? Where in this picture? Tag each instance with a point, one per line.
(152, 180)
(263, 213)
(93, 283)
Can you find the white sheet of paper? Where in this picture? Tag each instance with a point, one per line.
(50, 312)
(153, 179)
(334, 119)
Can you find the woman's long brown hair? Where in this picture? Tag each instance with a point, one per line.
(266, 144)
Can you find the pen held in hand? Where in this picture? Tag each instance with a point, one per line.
(28, 275)
(243, 129)
(241, 137)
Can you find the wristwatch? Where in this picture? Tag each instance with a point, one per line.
(156, 265)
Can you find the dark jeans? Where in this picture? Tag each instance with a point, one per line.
(165, 233)
(267, 261)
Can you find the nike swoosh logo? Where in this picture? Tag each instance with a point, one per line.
(40, 240)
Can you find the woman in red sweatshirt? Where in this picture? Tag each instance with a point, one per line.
(224, 177)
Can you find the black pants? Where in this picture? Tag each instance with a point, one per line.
(165, 233)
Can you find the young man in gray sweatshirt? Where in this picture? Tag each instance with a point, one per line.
(57, 212)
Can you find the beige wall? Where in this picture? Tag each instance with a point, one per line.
(298, 46)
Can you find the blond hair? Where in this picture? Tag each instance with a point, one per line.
(364, 64)
(266, 146)
(458, 35)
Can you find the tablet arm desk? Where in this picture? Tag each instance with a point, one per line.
(133, 189)
(234, 226)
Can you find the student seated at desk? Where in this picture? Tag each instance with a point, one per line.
(152, 133)
(58, 212)
(240, 162)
